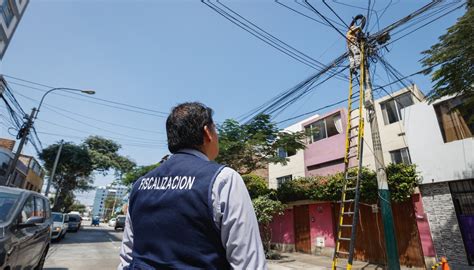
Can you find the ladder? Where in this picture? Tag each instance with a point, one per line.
(349, 203)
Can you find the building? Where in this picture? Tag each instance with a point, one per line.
(28, 173)
(441, 143)
(390, 115)
(309, 226)
(12, 12)
(35, 176)
(294, 168)
(117, 192)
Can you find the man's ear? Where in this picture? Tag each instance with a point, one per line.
(207, 133)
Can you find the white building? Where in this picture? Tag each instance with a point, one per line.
(278, 173)
(102, 193)
(11, 11)
(389, 111)
(441, 143)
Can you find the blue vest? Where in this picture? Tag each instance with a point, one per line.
(172, 217)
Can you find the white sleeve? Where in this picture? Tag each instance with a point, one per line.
(235, 216)
(127, 244)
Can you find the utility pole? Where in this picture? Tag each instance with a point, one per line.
(384, 193)
(51, 177)
(24, 131)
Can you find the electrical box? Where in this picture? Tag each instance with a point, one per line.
(320, 242)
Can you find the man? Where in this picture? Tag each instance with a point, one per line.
(353, 44)
(190, 212)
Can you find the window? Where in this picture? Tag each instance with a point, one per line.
(455, 119)
(281, 153)
(4, 163)
(7, 12)
(324, 128)
(391, 109)
(40, 208)
(28, 210)
(283, 179)
(7, 203)
(400, 156)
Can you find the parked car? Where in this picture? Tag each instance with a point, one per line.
(25, 228)
(120, 222)
(86, 219)
(74, 223)
(112, 222)
(60, 225)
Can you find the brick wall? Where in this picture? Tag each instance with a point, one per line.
(439, 207)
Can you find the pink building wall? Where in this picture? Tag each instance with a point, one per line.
(423, 227)
(283, 231)
(329, 150)
(322, 223)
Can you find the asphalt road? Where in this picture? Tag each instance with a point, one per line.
(90, 248)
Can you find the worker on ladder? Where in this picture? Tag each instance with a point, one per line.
(354, 36)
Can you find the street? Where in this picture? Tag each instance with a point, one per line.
(90, 248)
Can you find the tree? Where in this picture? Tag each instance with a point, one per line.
(78, 207)
(252, 146)
(137, 172)
(104, 155)
(256, 185)
(73, 171)
(265, 210)
(76, 164)
(455, 53)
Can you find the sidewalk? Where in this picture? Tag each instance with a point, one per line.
(297, 261)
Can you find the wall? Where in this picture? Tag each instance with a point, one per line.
(392, 135)
(322, 225)
(439, 207)
(283, 231)
(6, 32)
(444, 161)
(326, 150)
(295, 165)
(423, 226)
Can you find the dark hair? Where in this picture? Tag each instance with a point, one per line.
(185, 125)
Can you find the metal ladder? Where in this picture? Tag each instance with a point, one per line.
(349, 204)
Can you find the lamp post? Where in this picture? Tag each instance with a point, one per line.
(25, 130)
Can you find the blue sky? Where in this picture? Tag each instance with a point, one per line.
(156, 54)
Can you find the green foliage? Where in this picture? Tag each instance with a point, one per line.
(76, 164)
(104, 156)
(137, 172)
(252, 146)
(78, 207)
(256, 185)
(455, 53)
(402, 180)
(72, 173)
(265, 210)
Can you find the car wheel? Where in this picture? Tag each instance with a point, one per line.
(43, 258)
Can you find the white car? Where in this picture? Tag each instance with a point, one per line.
(60, 225)
(112, 222)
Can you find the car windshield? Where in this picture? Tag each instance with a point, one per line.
(121, 219)
(57, 217)
(74, 218)
(7, 202)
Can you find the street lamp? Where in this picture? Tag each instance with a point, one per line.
(24, 131)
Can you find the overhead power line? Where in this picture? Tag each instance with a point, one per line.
(45, 88)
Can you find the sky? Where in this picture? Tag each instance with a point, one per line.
(157, 54)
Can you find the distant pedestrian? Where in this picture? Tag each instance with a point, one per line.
(190, 212)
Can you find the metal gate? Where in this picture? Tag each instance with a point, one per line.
(463, 199)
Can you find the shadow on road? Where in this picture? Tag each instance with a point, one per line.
(90, 235)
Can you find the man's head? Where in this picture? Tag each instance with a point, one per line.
(190, 125)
